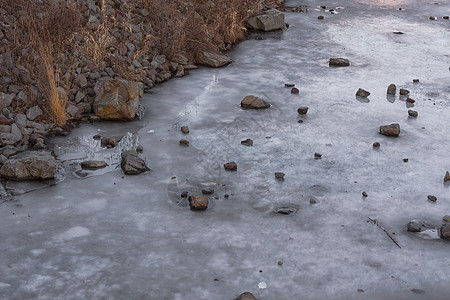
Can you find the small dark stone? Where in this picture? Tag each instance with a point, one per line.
(302, 110)
(109, 142)
(445, 231)
(362, 93)
(320, 17)
(289, 85)
(313, 200)
(432, 198)
(414, 226)
(413, 113)
(247, 142)
(364, 194)
(392, 89)
(405, 160)
(339, 62)
(398, 32)
(280, 263)
(231, 166)
(226, 196)
(416, 80)
(295, 91)
(418, 291)
(184, 142)
(390, 130)
(404, 92)
(300, 121)
(185, 129)
(410, 100)
(447, 176)
(445, 17)
(93, 165)
(376, 145)
(279, 176)
(140, 148)
(184, 194)
(317, 155)
(432, 18)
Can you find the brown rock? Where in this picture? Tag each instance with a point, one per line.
(445, 231)
(295, 91)
(447, 176)
(247, 142)
(253, 102)
(30, 165)
(376, 145)
(317, 156)
(364, 194)
(390, 130)
(410, 100)
(289, 85)
(362, 93)
(246, 296)
(432, 198)
(184, 142)
(185, 129)
(302, 110)
(198, 202)
(93, 165)
(339, 62)
(214, 60)
(231, 166)
(404, 92)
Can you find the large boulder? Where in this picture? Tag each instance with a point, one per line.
(211, 59)
(31, 165)
(117, 99)
(270, 20)
(132, 164)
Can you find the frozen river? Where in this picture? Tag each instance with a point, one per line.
(111, 236)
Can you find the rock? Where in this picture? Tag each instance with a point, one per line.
(117, 99)
(295, 91)
(413, 113)
(93, 165)
(32, 165)
(10, 135)
(198, 202)
(410, 100)
(279, 176)
(246, 296)
(418, 291)
(34, 112)
(247, 142)
(404, 92)
(445, 17)
(432, 198)
(376, 145)
(231, 166)
(289, 85)
(446, 218)
(184, 142)
(302, 110)
(432, 18)
(317, 156)
(184, 194)
(214, 60)
(416, 80)
(132, 164)
(207, 191)
(280, 263)
(5, 99)
(108, 142)
(392, 89)
(362, 93)
(268, 21)
(320, 17)
(140, 148)
(390, 130)
(72, 110)
(445, 231)
(253, 102)
(339, 62)
(364, 194)
(414, 226)
(405, 160)
(447, 176)
(313, 200)
(185, 129)
(5, 121)
(300, 121)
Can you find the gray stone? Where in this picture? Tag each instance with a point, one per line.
(211, 59)
(432, 198)
(392, 89)
(93, 165)
(72, 110)
(13, 136)
(390, 130)
(5, 99)
(117, 99)
(362, 93)
(339, 62)
(20, 120)
(445, 231)
(414, 226)
(247, 142)
(34, 112)
(207, 191)
(253, 102)
(268, 21)
(413, 113)
(79, 96)
(198, 202)
(30, 165)
(132, 164)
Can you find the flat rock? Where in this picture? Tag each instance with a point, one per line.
(231, 166)
(413, 113)
(392, 89)
(339, 62)
(93, 165)
(268, 21)
(132, 164)
(198, 202)
(211, 59)
(432, 198)
(414, 226)
(253, 102)
(404, 92)
(34, 112)
(185, 129)
(32, 165)
(390, 130)
(207, 191)
(362, 93)
(184, 142)
(445, 231)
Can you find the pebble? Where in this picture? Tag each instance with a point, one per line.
(140, 148)
(184, 194)
(280, 263)
(300, 121)
(207, 191)
(184, 142)
(392, 89)
(416, 80)
(405, 160)
(317, 155)
(185, 129)
(339, 62)
(295, 91)
(445, 17)
(364, 194)
(231, 166)
(279, 176)
(362, 93)
(432, 18)
(289, 85)
(246, 296)
(247, 142)
(198, 202)
(413, 226)
(302, 110)
(413, 113)
(447, 176)
(410, 100)
(376, 145)
(390, 130)
(404, 92)
(320, 17)
(432, 198)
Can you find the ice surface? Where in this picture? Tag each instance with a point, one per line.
(133, 237)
